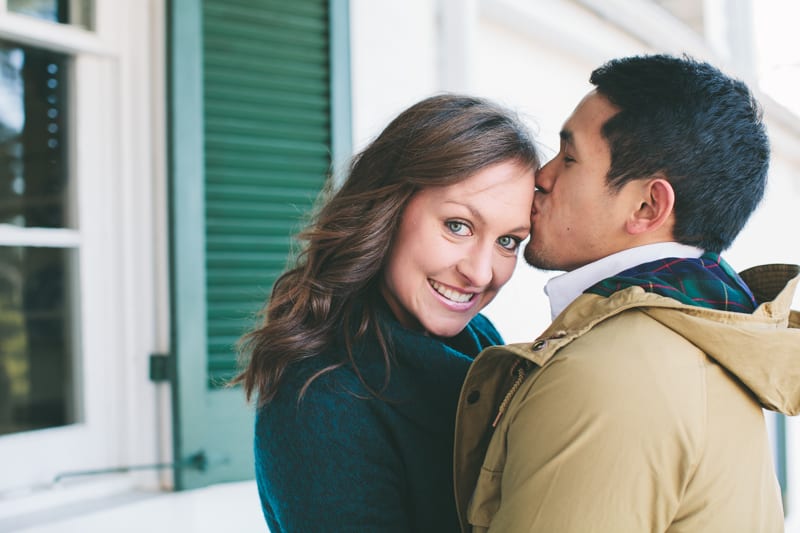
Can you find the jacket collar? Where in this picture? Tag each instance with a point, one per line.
(760, 348)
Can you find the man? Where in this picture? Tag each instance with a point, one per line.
(639, 408)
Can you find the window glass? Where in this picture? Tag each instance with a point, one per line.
(77, 12)
(37, 382)
(37, 295)
(34, 174)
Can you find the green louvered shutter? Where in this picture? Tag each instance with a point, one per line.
(267, 151)
(258, 106)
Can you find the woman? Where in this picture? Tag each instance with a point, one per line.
(365, 342)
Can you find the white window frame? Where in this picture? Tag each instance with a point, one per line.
(117, 164)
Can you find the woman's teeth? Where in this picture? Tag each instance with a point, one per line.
(450, 294)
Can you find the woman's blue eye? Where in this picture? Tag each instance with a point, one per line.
(457, 227)
(508, 242)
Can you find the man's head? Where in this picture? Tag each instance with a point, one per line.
(663, 149)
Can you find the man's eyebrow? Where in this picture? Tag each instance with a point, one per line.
(567, 137)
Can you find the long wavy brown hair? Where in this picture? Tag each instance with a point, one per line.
(437, 142)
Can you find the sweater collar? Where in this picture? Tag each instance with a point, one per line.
(563, 289)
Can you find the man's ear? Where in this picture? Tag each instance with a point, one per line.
(654, 213)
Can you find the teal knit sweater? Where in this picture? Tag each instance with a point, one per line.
(343, 460)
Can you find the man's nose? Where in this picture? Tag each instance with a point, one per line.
(545, 176)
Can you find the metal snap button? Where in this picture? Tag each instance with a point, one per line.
(538, 345)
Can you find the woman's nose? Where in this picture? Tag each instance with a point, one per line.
(477, 266)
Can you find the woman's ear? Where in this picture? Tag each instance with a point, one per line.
(655, 211)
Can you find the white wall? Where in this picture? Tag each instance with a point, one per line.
(767, 237)
(393, 46)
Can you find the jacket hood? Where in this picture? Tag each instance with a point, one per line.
(762, 349)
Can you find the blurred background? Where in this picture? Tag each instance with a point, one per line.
(156, 157)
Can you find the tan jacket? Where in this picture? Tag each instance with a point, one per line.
(632, 413)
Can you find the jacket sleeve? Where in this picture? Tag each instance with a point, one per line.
(328, 465)
(591, 448)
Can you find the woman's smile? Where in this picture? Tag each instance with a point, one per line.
(451, 293)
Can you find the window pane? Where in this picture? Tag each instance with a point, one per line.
(37, 378)
(77, 12)
(34, 177)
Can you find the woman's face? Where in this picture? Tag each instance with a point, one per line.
(456, 246)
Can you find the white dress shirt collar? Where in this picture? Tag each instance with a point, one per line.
(564, 288)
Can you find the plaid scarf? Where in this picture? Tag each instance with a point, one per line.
(705, 282)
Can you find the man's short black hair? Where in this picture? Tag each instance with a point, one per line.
(698, 127)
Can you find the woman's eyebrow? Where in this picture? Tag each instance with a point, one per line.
(474, 212)
(477, 215)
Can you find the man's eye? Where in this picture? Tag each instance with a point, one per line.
(508, 242)
(568, 159)
(457, 227)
